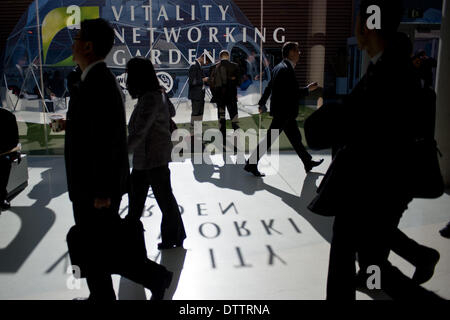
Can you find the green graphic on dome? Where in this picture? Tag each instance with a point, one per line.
(60, 18)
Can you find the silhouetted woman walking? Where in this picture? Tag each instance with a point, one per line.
(150, 142)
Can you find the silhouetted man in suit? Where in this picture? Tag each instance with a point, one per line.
(9, 138)
(284, 108)
(224, 80)
(97, 167)
(368, 197)
(197, 81)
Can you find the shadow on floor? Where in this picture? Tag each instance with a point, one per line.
(233, 176)
(36, 220)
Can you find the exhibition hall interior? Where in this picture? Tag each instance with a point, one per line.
(252, 232)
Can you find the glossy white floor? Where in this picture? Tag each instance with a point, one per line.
(248, 238)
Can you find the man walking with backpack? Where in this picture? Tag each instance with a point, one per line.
(224, 80)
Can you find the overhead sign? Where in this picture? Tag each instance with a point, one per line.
(171, 33)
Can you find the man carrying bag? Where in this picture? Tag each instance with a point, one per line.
(97, 171)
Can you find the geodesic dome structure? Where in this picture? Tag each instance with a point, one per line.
(170, 32)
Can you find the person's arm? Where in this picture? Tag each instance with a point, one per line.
(14, 130)
(172, 110)
(303, 92)
(211, 75)
(266, 94)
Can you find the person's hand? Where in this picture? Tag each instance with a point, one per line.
(312, 86)
(100, 203)
(205, 79)
(262, 109)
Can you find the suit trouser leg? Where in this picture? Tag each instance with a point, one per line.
(406, 247)
(295, 138)
(146, 272)
(5, 169)
(233, 112)
(341, 268)
(172, 227)
(138, 193)
(198, 107)
(222, 120)
(266, 143)
(375, 243)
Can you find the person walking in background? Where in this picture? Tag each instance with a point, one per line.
(150, 143)
(251, 68)
(98, 171)
(224, 80)
(9, 140)
(284, 109)
(197, 80)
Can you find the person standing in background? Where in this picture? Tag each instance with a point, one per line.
(197, 80)
(224, 80)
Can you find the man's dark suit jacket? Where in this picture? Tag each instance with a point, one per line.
(374, 126)
(96, 140)
(196, 75)
(285, 92)
(9, 134)
(229, 93)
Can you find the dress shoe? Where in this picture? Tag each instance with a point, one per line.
(169, 245)
(446, 231)
(5, 205)
(159, 291)
(425, 270)
(253, 168)
(312, 164)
